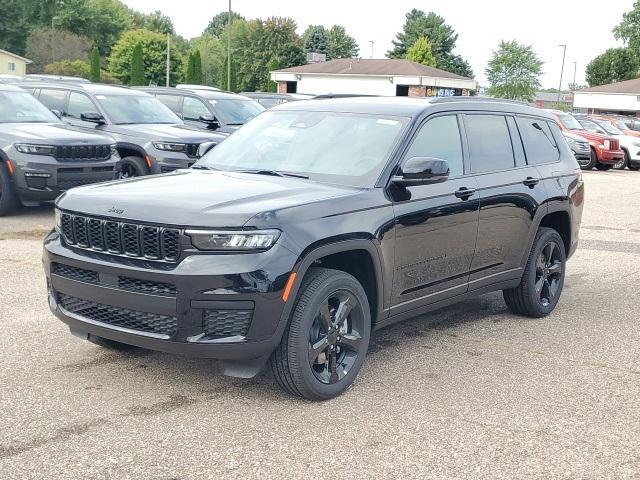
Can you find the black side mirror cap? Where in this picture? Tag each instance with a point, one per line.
(422, 171)
(93, 117)
(210, 120)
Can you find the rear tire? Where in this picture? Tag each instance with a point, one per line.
(131, 167)
(110, 344)
(327, 338)
(543, 278)
(8, 198)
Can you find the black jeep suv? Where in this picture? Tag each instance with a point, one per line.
(316, 223)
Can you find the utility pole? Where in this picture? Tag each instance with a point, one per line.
(168, 58)
(564, 52)
(53, 39)
(372, 42)
(575, 69)
(229, 49)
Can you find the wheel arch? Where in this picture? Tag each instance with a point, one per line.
(126, 149)
(358, 257)
(556, 215)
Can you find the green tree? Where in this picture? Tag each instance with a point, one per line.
(341, 44)
(514, 72)
(154, 21)
(94, 74)
(154, 48)
(316, 40)
(14, 26)
(212, 52)
(442, 37)
(137, 66)
(420, 52)
(197, 68)
(68, 46)
(614, 65)
(222, 80)
(218, 24)
(629, 28)
(271, 86)
(76, 68)
(102, 21)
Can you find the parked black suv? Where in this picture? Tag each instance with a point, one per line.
(314, 224)
(207, 108)
(40, 156)
(150, 138)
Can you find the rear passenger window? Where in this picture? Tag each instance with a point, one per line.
(489, 143)
(440, 138)
(53, 99)
(539, 144)
(171, 101)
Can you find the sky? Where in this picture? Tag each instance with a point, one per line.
(544, 24)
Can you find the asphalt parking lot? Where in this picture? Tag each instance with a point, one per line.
(467, 392)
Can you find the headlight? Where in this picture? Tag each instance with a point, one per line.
(607, 145)
(636, 144)
(58, 216)
(114, 150)
(170, 147)
(35, 149)
(570, 141)
(233, 241)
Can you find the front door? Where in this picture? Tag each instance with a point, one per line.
(436, 225)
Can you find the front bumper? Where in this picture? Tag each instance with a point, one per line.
(42, 178)
(221, 306)
(609, 156)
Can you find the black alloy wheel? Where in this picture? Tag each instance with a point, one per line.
(622, 164)
(334, 337)
(549, 273)
(131, 167)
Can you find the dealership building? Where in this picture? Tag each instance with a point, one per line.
(620, 97)
(387, 77)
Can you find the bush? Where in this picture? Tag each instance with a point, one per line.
(75, 68)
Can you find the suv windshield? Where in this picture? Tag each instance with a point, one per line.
(236, 112)
(591, 126)
(21, 107)
(569, 122)
(607, 127)
(331, 147)
(131, 109)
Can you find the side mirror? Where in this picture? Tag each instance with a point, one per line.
(57, 113)
(92, 117)
(422, 171)
(210, 120)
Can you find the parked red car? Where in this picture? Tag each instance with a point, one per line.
(605, 150)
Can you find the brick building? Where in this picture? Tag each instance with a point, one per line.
(387, 77)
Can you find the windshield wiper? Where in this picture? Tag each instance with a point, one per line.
(274, 173)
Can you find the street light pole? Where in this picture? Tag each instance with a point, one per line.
(564, 53)
(168, 58)
(229, 49)
(575, 69)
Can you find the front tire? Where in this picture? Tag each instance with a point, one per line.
(327, 338)
(8, 199)
(622, 164)
(131, 167)
(602, 167)
(589, 164)
(543, 278)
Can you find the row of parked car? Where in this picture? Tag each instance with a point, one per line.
(601, 141)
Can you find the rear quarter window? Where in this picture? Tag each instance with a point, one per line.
(539, 143)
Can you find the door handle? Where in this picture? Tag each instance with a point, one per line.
(531, 182)
(464, 193)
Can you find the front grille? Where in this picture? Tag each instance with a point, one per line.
(82, 153)
(75, 273)
(120, 317)
(66, 182)
(226, 323)
(124, 283)
(122, 238)
(615, 144)
(192, 150)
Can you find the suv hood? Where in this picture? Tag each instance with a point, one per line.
(50, 134)
(198, 198)
(598, 137)
(166, 132)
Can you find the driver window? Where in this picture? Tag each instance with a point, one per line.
(439, 138)
(192, 109)
(78, 104)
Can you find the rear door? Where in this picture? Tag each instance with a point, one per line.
(436, 225)
(510, 192)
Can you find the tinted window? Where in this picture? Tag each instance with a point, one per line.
(236, 112)
(193, 108)
(53, 99)
(539, 145)
(440, 138)
(132, 109)
(171, 101)
(489, 143)
(78, 104)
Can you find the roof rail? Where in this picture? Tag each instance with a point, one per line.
(475, 99)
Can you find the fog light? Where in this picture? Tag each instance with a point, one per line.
(39, 175)
(37, 180)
